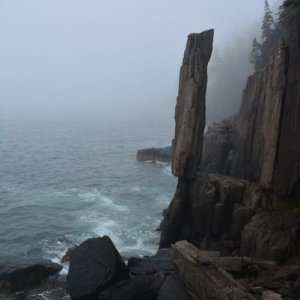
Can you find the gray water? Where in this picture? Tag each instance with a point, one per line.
(64, 181)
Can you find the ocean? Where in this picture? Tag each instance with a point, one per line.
(64, 181)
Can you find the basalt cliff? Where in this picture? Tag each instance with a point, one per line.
(238, 189)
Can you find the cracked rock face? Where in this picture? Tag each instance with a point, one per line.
(190, 109)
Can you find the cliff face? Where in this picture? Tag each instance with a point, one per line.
(265, 140)
(190, 109)
(287, 171)
(260, 150)
(259, 122)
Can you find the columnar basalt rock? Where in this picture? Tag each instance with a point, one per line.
(267, 148)
(190, 123)
(212, 211)
(287, 171)
(190, 109)
(259, 120)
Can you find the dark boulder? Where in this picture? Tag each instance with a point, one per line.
(173, 289)
(160, 262)
(18, 275)
(155, 154)
(141, 287)
(94, 266)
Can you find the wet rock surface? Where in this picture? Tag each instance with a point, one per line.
(94, 266)
(18, 275)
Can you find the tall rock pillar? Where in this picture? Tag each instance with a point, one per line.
(190, 109)
(190, 124)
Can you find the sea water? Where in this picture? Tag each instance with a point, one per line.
(64, 181)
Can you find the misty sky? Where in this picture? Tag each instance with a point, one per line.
(105, 57)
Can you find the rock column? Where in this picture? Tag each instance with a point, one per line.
(190, 124)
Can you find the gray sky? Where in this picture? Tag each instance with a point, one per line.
(106, 57)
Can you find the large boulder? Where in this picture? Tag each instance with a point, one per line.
(190, 109)
(144, 287)
(18, 275)
(94, 266)
(272, 235)
(155, 154)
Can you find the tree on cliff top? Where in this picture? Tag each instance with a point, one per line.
(262, 50)
(268, 25)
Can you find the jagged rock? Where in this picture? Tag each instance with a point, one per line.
(144, 287)
(202, 278)
(190, 109)
(94, 266)
(271, 235)
(217, 146)
(68, 254)
(173, 289)
(18, 275)
(160, 262)
(204, 210)
(155, 154)
(284, 279)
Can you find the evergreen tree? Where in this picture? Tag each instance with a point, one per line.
(261, 51)
(255, 55)
(267, 25)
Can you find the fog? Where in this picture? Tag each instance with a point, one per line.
(113, 58)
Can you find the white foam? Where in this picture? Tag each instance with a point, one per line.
(102, 201)
(168, 171)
